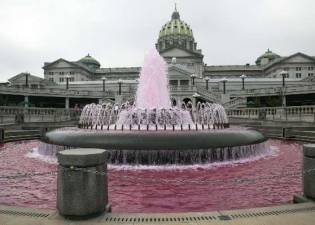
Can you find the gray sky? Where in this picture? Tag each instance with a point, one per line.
(120, 32)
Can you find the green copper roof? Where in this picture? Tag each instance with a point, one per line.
(269, 55)
(89, 60)
(175, 27)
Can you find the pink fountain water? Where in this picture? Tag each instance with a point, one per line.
(265, 181)
(153, 90)
(152, 105)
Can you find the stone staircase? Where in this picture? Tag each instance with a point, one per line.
(238, 102)
(209, 96)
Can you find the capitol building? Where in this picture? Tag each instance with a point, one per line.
(270, 80)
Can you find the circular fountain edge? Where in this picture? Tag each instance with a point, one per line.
(154, 140)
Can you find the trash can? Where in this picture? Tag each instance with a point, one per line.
(82, 183)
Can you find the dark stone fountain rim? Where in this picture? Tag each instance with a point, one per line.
(154, 140)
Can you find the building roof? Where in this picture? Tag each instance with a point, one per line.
(24, 74)
(214, 68)
(119, 70)
(282, 59)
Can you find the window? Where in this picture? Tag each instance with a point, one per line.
(310, 68)
(298, 68)
(71, 72)
(51, 73)
(311, 74)
(71, 79)
(173, 82)
(61, 73)
(184, 82)
(61, 79)
(298, 75)
(51, 79)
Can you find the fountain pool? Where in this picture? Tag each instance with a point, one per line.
(262, 181)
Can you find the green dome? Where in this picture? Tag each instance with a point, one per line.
(176, 27)
(90, 62)
(268, 56)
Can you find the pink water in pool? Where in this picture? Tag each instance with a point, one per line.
(246, 184)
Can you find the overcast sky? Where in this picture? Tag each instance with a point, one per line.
(120, 32)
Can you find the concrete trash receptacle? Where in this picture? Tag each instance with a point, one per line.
(82, 182)
(309, 170)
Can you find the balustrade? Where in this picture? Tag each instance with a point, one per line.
(292, 113)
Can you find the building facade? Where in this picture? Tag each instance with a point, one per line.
(187, 72)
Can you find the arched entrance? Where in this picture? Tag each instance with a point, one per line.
(186, 100)
(173, 101)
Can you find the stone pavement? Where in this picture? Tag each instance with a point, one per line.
(297, 214)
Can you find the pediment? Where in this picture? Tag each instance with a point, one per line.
(177, 52)
(60, 63)
(299, 58)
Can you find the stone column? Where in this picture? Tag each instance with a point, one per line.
(81, 193)
(67, 103)
(309, 176)
(284, 100)
(26, 101)
(178, 100)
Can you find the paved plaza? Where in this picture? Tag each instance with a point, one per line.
(297, 214)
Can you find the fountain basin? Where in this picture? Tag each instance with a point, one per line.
(154, 140)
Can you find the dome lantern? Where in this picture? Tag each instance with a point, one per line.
(175, 15)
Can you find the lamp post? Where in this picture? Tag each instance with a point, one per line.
(207, 83)
(119, 86)
(243, 76)
(104, 79)
(67, 81)
(193, 76)
(224, 80)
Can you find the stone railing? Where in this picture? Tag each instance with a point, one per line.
(182, 88)
(292, 113)
(33, 114)
(54, 92)
(296, 89)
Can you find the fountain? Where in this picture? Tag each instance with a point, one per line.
(151, 131)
